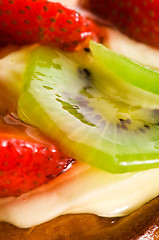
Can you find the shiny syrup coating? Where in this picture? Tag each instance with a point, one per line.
(28, 159)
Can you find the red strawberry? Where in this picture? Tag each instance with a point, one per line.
(25, 163)
(139, 19)
(45, 22)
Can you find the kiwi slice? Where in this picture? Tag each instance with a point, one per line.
(126, 69)
(116, 130)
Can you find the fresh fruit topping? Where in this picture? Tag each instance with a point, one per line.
(125, 69)
(45, 22)
(26, 164)
(116, 130)
(138, 19)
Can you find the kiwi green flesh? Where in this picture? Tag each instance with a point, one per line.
(126, 69)
(116, 134)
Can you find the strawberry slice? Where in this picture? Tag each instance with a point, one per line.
(138, 19)
(45, 22)
(25, 163)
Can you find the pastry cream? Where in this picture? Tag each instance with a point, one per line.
(82, 189)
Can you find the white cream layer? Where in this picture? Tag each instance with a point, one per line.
(82, 189)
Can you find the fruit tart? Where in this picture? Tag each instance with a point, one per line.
(79, 120)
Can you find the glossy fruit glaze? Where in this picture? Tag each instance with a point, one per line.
(28, 158)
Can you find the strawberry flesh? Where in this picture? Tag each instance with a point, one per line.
(26, 164)
(137, 19)
(45, 22)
